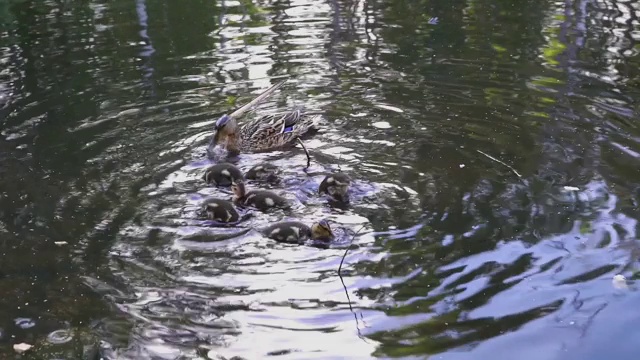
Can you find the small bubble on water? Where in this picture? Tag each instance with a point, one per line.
(60, 336)
(25, 323)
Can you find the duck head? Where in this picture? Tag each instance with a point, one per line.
(337, 186)
(212, 211)
(224, 129)
(238, 189)
(209, 211)
(322, 231)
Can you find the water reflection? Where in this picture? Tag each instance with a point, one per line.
(457, 255)
(147, 52)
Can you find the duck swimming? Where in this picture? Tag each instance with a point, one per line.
(295, 232)
(222, 174)
(263, 172)
(260, 199)
(336, 185)
(265, 133)
(220, 210)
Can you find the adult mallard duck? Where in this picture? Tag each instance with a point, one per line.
(220, 210)
(265, 133)
(260, 199)
(263, 172)
(336, 185)
(295, 232)
(222, 174)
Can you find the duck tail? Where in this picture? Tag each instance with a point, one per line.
(260, 98)
(312, 121)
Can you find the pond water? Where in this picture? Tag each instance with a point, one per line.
(494, 147)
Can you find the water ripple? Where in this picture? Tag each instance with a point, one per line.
(106, 110)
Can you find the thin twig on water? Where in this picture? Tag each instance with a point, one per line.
(306, 152)
(503, 163)
(345, 286)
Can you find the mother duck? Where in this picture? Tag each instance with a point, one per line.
(266, 133)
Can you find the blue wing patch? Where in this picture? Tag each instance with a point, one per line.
(287, 129)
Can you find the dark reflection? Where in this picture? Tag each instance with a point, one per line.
(494, 158)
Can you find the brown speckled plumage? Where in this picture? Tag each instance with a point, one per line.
(265, 133)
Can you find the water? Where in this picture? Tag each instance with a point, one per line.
(106, 109)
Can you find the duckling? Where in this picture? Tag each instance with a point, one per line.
(263, 172)
(260, 199)
(220, 210)
(336, 185)
(222, 174)
(295, 232)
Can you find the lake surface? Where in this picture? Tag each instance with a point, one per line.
(495, 153)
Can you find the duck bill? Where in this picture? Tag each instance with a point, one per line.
(215, 139)
(331, 236)
(260, 98)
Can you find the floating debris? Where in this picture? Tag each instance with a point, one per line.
(61, 243)
(503, 163)
(571, 188)
(620, 282)
(389, 107)
(22, 347)
(381, 125)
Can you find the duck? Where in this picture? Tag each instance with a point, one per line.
(265, 133)
(262, 200)
(263, 172)
(336, 185)
(222, 174)
(220, 210)
(295, 232)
